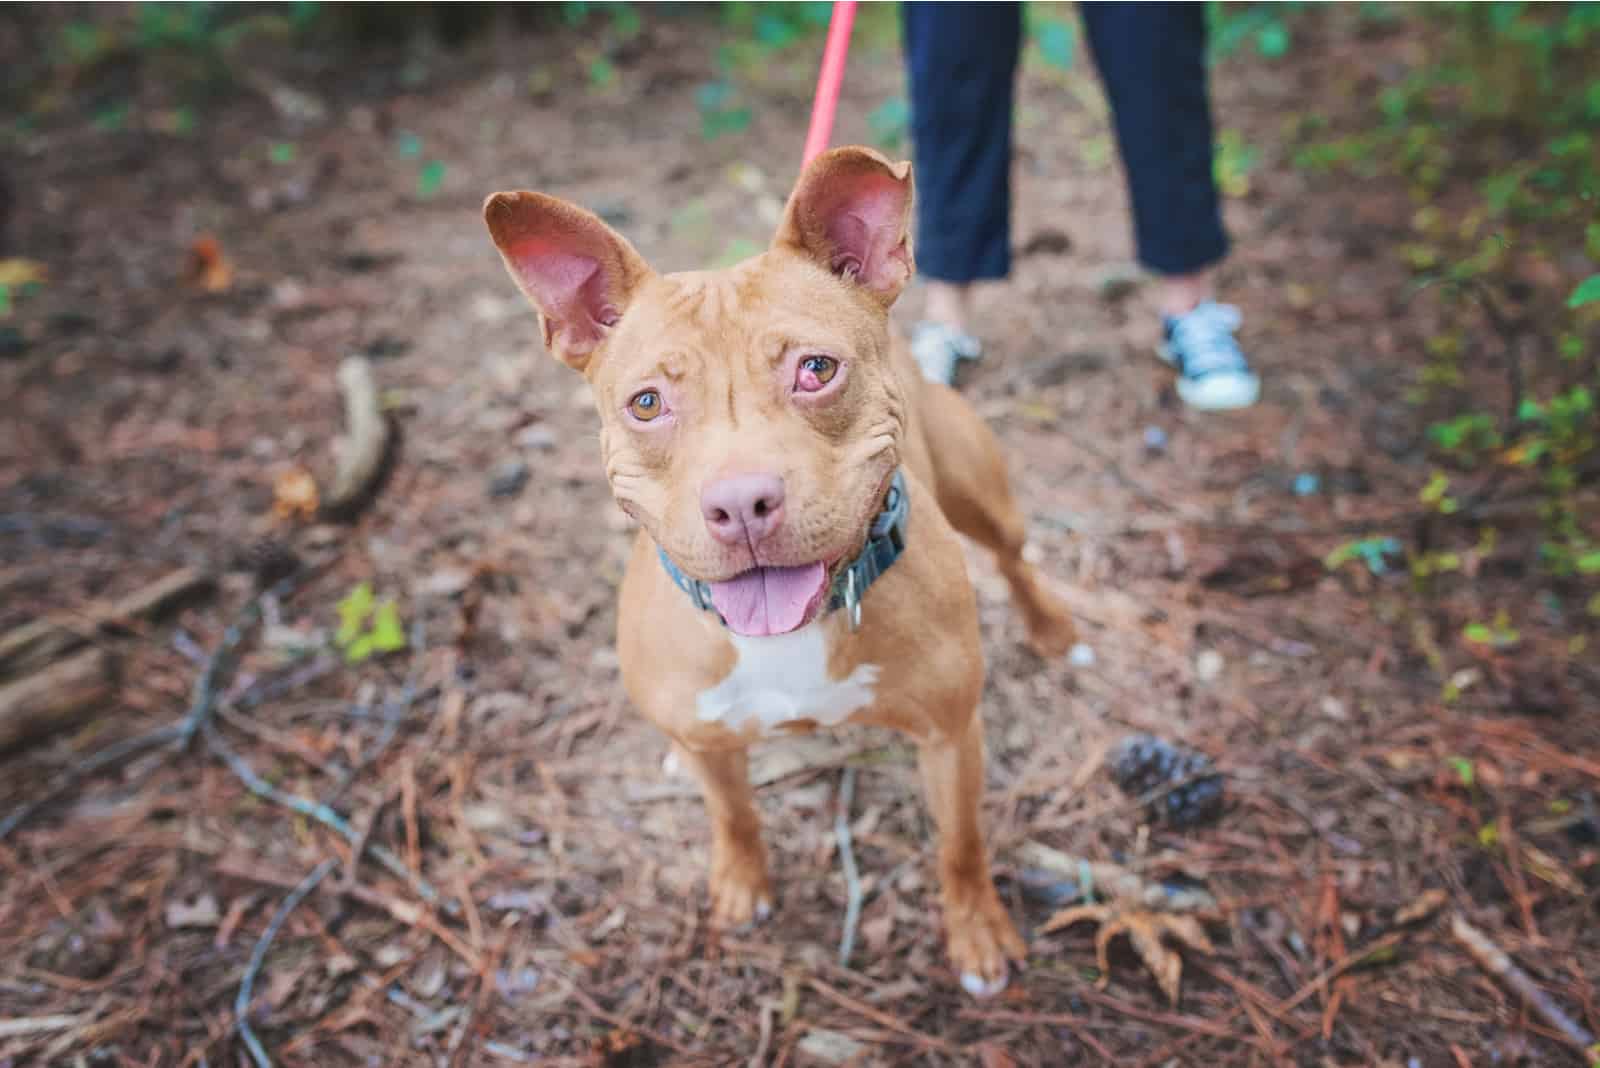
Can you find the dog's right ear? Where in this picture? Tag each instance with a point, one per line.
(578, 272)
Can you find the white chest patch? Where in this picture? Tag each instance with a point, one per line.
(784, 678)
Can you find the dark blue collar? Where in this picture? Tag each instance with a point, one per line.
(885, 542)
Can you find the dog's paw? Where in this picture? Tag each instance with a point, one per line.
(739, 908)
(1045, 615)
(982, 988)
(983, 943)
(1051, 632)
(741, 896)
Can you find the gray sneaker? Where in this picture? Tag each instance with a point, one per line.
(939, 348)
(1213, 374)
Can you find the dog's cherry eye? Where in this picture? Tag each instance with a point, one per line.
(646, 405)
(815, 372)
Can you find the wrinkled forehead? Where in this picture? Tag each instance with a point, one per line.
(758, 309)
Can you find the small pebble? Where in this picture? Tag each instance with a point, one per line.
(1155, 439)
(507, 479)
(520, 981)
(536, 437)
(1306, 484)
(1208, 665)
(445, 582)
(1081, 656)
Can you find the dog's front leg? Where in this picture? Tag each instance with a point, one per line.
(740, 890)
(980, 935)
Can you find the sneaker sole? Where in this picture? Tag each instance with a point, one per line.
(1213, 393)
(955, 368)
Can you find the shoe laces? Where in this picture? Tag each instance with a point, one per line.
(1204, 339)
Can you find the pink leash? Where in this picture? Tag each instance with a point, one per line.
(830, 79)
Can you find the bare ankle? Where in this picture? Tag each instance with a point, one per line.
(949, 303)
(1180, 294)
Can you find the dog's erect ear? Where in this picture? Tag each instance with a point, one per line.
(578, 272)
(851, 212)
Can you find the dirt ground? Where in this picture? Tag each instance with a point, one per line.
(147, 421)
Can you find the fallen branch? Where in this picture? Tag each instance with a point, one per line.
(207, 690)
(56, 699)
(111, 754)
(258, 957)
(314, 810)
(361, 452)
(1116, 882)
(1494, 960)
(847, 858)
(36, 644)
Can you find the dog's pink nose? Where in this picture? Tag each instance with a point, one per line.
(744, 509)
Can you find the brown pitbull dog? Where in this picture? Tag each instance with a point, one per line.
(781, 453)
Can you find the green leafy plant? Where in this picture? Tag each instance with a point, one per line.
(1499, 634)
(367, 626)
(1234, 25)
(1055, 39)
(1588, 291)
(430, 178)
(1232, 162)
(890, 122)
(720, 111)
(1374, 552)
(1436, 494)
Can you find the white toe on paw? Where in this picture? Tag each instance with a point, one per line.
(979, 987)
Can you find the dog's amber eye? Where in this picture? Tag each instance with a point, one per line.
(815, 372)
(645, 405)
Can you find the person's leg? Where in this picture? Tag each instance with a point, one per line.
(1151, 58)
(961, 61)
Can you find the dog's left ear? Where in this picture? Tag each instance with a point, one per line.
(851, 213)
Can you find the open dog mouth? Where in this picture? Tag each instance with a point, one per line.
(765, 601)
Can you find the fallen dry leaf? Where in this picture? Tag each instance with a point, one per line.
(992, 1056)
(206, 267)
(294, 493)
(1424, 906)
(19, 272)
(202, 912)
(617, 1048)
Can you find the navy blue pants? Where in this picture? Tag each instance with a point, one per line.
(962, 59)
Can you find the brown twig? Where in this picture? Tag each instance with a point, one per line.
(847, 859)
(878, 1016)
(1328, 975)
(1494, 960)
(1076, 1024)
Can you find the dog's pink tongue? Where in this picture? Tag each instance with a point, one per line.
(769, 600)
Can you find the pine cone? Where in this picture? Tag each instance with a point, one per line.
(1142, 764)
(269, 560)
